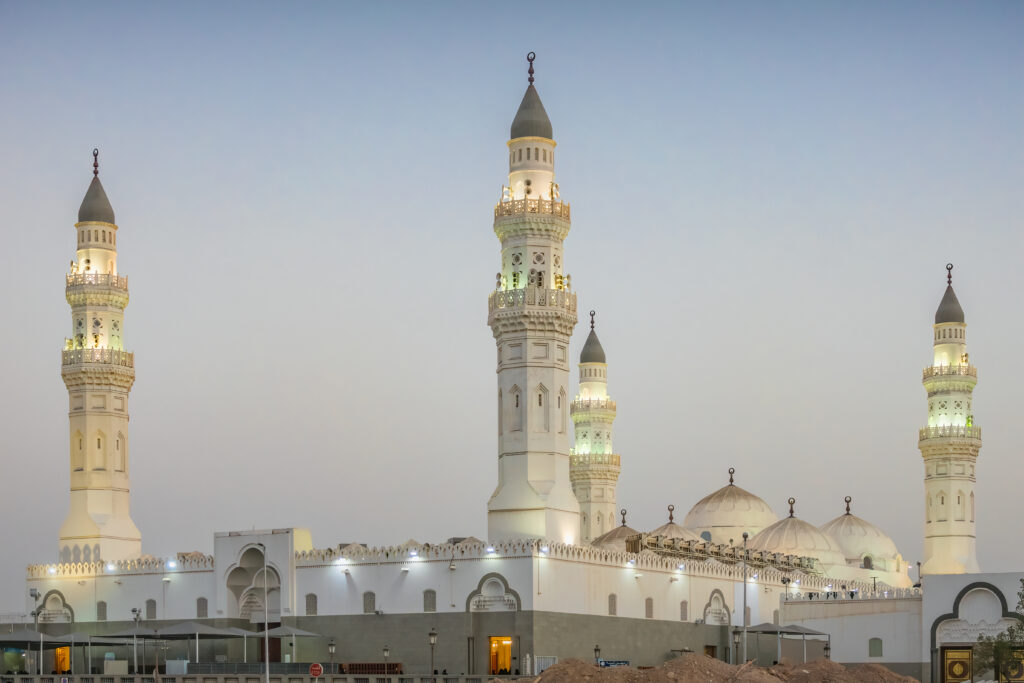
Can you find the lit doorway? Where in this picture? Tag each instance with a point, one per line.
(501, 655)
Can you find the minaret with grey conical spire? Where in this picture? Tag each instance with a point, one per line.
(99, 375)
(532, 313)
(594, 465)
(949, 444)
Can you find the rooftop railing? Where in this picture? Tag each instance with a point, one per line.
(104, 356)
(513, 207)
(835, 595)
(946, 431)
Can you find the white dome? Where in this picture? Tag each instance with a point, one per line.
(616, 538)
(728, 512)
(792, 536)
(859, 539)
(672, 530)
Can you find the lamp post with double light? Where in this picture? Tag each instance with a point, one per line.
(433, 641)
(387, 653)
(597, 655)
(744, 617)
(266, 619)
(330, 650)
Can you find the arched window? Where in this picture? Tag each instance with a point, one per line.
(77, 454)
(202, 608)
(545, 155)
(369, 602)
(874, 647)
(101, 611)
(151, 609)
(746, 616)
(868, 562)
(527, 153)
(520, 154)
(649, 608)
(684, 610)
(562, 400)
(541, 419)
(775, 617)
(516, 421)
(430, 600)
(536, 153)
(310, 604)
(613, 604)
(972, 506)
(501, 407)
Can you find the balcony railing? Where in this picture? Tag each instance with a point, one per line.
(962, 431)
(939, 370)
(531, 296)
(104, 356)
(115, 281)
(594, 459)
(592, 404)
(514, 207)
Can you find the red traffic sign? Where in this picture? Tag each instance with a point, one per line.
(316, 670)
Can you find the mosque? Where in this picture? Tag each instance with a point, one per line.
(561, 573)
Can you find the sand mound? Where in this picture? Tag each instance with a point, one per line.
(694, 667)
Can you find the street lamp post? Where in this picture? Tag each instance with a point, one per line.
(387, 653)
(735, 647)
(744, 617)
(828, 650)
(266, 619)
(330, 650)
(135, 641)
(597, 655)
(163, 597)
(433, 641)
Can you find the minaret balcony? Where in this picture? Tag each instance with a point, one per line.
(99, 356)
(946, 370)
(514, 207)
(104, 279)
(531, 298)
(582, 404)
(586, 459)
(950, 431)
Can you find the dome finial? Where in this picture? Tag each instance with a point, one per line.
(732, 471)
(592, 313)
(792, 502)
(530, 57)
(96, 162)
(949, 273)
(671, 509)
(623, 510)
(848, 500)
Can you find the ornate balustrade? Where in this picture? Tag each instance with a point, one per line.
(703, 550)
(939, 370)
(833, 595)
(967, 432)
(592, 404)
(115, 281)
(594, 459)
(531, 296)
(520, 206)
(104, 356)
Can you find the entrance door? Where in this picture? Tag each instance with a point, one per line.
(501, 654)
(956, 664)
(275, 647)
(711, 651)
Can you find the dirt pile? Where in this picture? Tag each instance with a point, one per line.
(694, 667)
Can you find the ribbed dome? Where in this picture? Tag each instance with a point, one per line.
(616, 538)
(949, 310)
(858, 539)
(728, 512)
(531, 120)
(673, 530)
(793, 536)
(592, 350)
(95, 206)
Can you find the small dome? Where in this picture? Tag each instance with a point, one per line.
(949, 310)
(531, 120)
(95, 206)
(792, 536)
(616, 538)
(672, 530)
(727, 513)
(859, 539)
(592, 350)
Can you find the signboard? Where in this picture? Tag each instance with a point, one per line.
(612, 662)
(316, 670)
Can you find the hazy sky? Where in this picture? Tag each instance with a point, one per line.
(764, 197)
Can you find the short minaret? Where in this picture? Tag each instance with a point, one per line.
(532, 314)
(594, 465)
(949, 445)
(98, 373)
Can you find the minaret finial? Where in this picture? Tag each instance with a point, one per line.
(96, 162)
(949, 274)
(530, 57)
(671, 509)
(848, 499)
(592, 313)
(623, 510)
(732, 471)
(792, 502)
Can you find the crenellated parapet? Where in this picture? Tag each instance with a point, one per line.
(141, 565)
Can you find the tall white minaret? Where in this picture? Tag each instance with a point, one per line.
(98, 373)
(949, 445)
(594, 465)
(532, 313)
